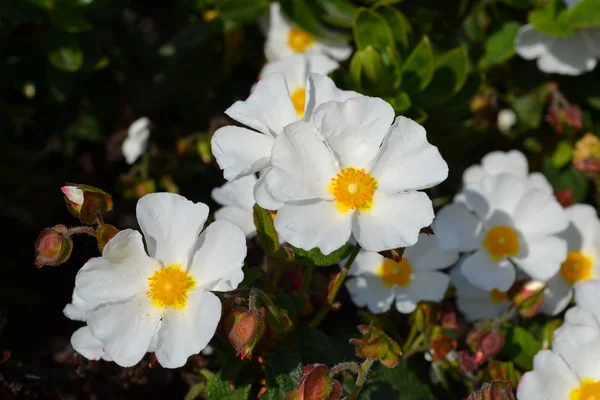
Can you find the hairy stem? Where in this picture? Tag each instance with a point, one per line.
(346, 366)
(80, 229)
(361, 379)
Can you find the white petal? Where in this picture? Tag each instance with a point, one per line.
(340, 52)
(269, 107)
(456, 228)
(240, 151)
(474, 173)
(540, 213)
(587, 295)
(568, 338)
(370, 291)
(537, 180)
(303, 166)
(578, 315)
(582, 353)
(366, 262)
(239, 193)
(186, 332)
(134, 146)
(120, 273)
(494, 193)
(551, 379)
(500, 162)
(427, 255)
(294, 68)
(78, 308)
(407, 161)
(262, 197)
(428, 286)
(314, 224)
(125, 328)
(321, 63)
(543, 256)
(355, 128)
(485, 273)
(138, 127)
(73, 193)
(86, 344)
(586, 227)
(218, 260)
(557, 296)
(568, 56)
(592, 38)
(171, 225)
(243, 219)
(276, 46)
(531, 44)
(321, 89)
(393, 221)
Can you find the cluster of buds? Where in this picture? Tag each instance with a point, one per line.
(316, 384)
(561, 114)
(376, 344)
(496, 390)
(244, 328)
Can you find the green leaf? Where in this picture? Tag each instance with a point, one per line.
(551, 19)
(562, 155)
(242, 11)
(451, 72)
(584, 14)
(530, 107)
(371, 29)
(282, 372)
(315, 257)
(339, 12)
(373, 72)
(220, 389)
(318, 347)
(499, 47)
(419, 68)
(520, 346)
(69, 19)
(265, 230)
(567, 178)
(399, 26)
(251, 274)
(401, 102)
(67, 58)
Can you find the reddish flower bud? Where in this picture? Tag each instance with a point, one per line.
(244, 329)
(441, 346)
(52, 248)
(466, 362)
(564, 197)
(86, 202)
(315, 384)
(104, 233)
(529, 298)
(497, 390)
(376, 344)
(504, 371)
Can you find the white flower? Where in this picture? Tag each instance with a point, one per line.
(583, 259)
(137, 139)
(378, 282)
(285, 38)
(506, 120)
(347, 172)
(509, 223)
(475, 303)
(241, 151)
(572, 55)
(237, 199)
(161, 302)
(570, 371)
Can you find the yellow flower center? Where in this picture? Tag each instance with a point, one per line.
(501, 241)
(353, 188)
(576, 268)
(299, 40)
(298, 99)
(498, 297)
(169, 287)
(589, 390)
(395, 273)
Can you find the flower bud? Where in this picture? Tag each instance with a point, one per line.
(244, 329)
(506, 120)
(497, 390)
(52, 248)
(466, 362)
(442, 345)
(376, 344)
(104, 233)
(281, 323)
(529, 298)
(86, 202)
(315, 384)
(504, 371)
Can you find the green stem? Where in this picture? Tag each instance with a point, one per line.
(335, 287)
(361, 379)
(80, 229)
(347, 366)
(267, 300)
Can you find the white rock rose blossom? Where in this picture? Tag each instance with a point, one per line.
(137, 140)
(583, 259)
(475, 303)
(160, 300)
(271, 106)
(504, 222)
(572, 55)
(378, 282)
(346, 172)
(237, 199)
(284, 39)
(296, 69)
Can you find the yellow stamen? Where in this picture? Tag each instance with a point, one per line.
(353, 189)
(299, 40)
(589, 390)
(169, 287)
(498, 297)
(501, 241)
(395, 273)
(298, 97)
(576, 268)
